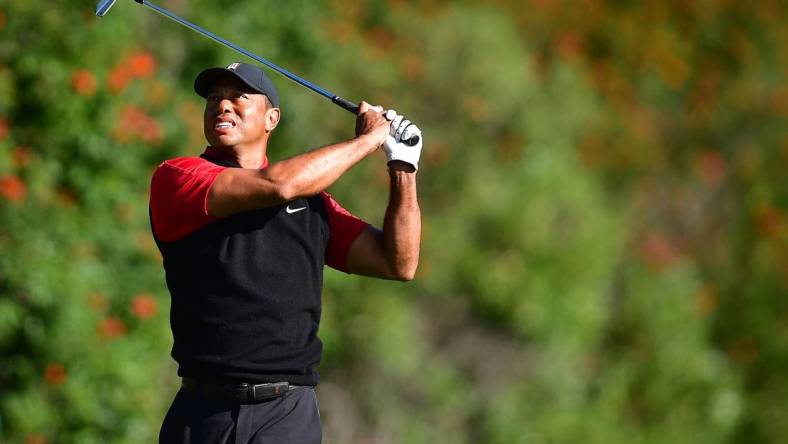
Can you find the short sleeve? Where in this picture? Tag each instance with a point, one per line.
(344, 228)
(179, 197)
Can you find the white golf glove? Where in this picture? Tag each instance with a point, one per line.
(395, 146)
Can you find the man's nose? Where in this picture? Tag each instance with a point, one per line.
(225, 105)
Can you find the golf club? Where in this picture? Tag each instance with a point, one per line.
(103, 6)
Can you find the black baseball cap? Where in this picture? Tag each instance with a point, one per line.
(249, 74)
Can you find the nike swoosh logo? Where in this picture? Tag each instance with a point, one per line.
(296, 210)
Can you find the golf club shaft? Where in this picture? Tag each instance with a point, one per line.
(346, 104)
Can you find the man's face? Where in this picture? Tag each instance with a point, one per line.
(237, 115)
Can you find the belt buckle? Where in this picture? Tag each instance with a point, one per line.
(269, 391)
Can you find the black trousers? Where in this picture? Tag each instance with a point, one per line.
(290, 419)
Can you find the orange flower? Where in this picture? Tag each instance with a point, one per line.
(706, 300)
(21, 156)
(141, 64)
(779, 101)
(658, 251)
(83, 82)
(35, 438)
(3, 128)
(711, 168)
(769, 221)
(341, 31)
(111, 328)
(568, 44)
(744, 350)
(380, 37)
(12, 188)
(412, 67)
(118, 79)
(144, 306)
(2, 19)
(133, 122)
(55, 374)
(476, 107)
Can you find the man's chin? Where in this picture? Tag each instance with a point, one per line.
(223, 141)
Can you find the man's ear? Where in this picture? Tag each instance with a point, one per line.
(272, 116)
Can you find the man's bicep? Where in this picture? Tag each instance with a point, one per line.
(366, 255)
(239, 189)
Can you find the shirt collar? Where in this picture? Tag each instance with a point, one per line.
(210, 154)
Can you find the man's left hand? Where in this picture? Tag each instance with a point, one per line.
(395, 147)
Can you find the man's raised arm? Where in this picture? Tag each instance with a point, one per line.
(307, 174)
(393, 253)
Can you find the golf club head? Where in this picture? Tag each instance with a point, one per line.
(103, 6)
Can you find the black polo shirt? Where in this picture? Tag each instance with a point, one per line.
(246, 289)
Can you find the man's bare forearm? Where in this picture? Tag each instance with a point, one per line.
(239, 189)
(402, 225)
(312, 172)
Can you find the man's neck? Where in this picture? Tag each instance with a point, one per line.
(253, 159)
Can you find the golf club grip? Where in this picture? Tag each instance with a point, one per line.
(353, 108)
(347, 104)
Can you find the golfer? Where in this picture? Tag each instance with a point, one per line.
(244, 241)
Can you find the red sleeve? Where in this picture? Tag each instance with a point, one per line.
(345, 228)
(179, 196)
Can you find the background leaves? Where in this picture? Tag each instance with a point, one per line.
(605, 235)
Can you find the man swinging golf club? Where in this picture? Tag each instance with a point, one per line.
(244, 242)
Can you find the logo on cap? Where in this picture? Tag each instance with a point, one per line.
(233, 66)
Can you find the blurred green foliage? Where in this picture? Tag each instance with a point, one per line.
(605, 254)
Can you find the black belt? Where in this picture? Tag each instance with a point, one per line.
(238, 393)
